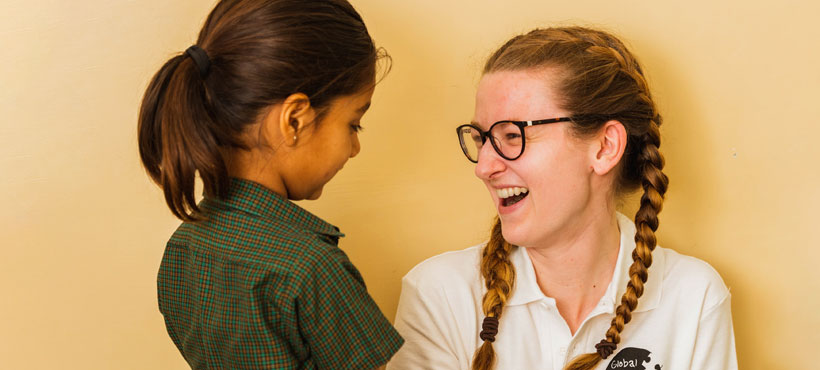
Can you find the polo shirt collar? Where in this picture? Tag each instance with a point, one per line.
(255, 199)
(526, 288)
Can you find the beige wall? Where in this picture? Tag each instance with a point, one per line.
(83, 229)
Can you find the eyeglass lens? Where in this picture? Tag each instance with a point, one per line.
(506, 137)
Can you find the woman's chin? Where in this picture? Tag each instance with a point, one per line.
(513, 235)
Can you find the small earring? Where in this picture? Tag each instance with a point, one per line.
(294, 137)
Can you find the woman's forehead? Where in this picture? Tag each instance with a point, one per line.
(515, 95)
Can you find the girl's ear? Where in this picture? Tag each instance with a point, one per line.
(608, 147)
(292, 120)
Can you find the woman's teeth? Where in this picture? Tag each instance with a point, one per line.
(510, 192)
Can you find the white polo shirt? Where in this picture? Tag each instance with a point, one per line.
(683, 320)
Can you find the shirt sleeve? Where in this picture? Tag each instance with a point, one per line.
(339, 321)
(715, 341)
(424, 321)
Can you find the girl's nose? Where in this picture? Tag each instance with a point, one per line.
(357, 147)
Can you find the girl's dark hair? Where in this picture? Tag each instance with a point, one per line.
(599, 78)
(261, 52)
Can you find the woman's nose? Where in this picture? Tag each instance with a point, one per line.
(489, 162)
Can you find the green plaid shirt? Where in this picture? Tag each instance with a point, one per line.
(262, 284)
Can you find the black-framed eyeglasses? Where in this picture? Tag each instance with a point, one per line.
(507, 137)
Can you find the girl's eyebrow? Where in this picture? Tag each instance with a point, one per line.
(364, 108)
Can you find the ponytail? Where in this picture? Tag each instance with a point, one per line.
(176, 139)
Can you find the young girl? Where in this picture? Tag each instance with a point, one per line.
(564, 125)
(266, 108)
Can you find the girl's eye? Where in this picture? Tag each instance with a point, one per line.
(356, 128)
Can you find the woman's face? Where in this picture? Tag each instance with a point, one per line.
(554, 169)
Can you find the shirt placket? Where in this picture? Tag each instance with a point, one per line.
(582, 334)
(553, 334)
(555, 338)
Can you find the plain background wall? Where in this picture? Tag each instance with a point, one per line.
(82, 229)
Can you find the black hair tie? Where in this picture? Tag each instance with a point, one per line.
(200, 57)
(489, 328)
(605, 348)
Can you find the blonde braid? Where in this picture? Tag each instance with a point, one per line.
(654, 183)
(499, 278)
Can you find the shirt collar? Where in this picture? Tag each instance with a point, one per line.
(255, 199)
(526, 288)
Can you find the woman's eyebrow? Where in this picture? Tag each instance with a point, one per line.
(474, 123)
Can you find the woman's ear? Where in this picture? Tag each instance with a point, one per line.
(608, 147)
(292, 120)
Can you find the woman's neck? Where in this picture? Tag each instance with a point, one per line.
(577, 270)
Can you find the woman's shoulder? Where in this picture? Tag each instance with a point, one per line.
(454, 268)
(691, 276)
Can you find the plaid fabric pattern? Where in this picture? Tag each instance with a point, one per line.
(261, 284)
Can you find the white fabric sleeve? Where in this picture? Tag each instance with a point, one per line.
(715, 341)
(429, 329)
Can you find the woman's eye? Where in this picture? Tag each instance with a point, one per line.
(356, 127)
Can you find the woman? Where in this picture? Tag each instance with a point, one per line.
(265, 108)
(564, 127)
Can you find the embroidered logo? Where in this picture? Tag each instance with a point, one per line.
(631, 358)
